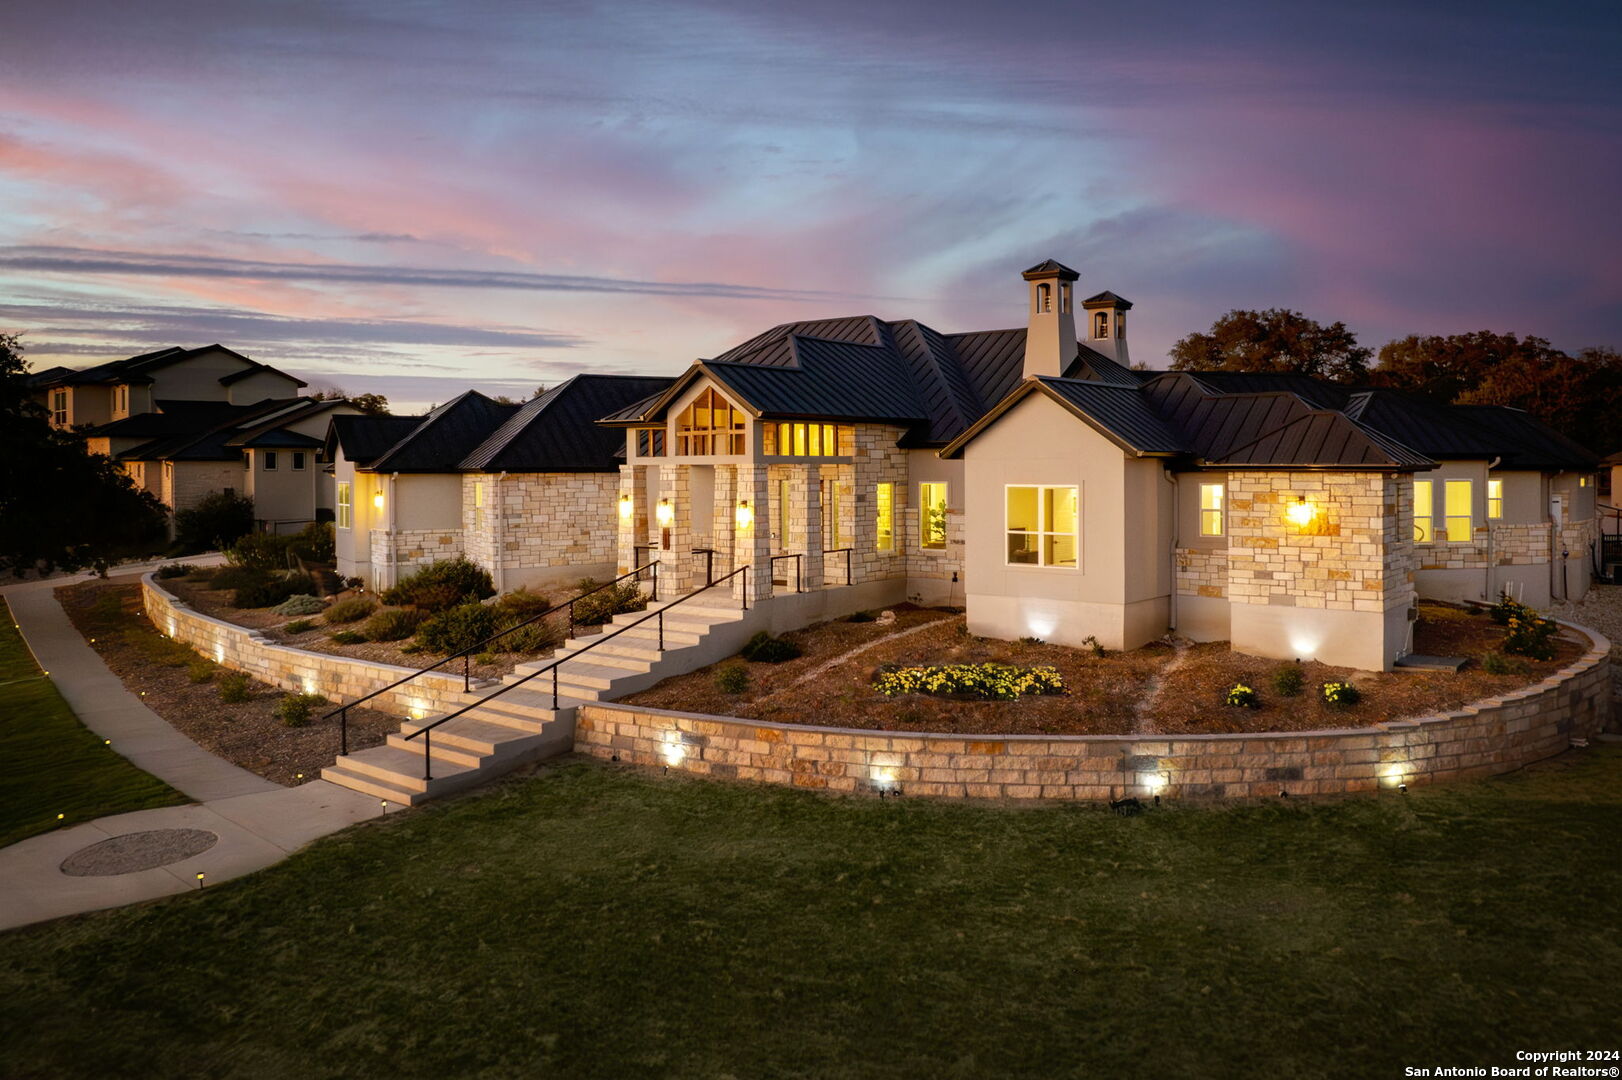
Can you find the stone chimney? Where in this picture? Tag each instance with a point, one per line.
(1050, 343)
(1106, 326)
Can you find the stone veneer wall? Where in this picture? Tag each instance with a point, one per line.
(1494, 735)
(1356, 556)
(336, 678)
(1202, 572)
(409, 549)
(1515, 544)
(546, 520)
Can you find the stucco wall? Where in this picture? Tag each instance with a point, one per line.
(337, 678)
(1495, 735)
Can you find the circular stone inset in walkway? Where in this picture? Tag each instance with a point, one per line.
(137, 851)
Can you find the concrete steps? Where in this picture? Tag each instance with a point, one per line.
(521, 725)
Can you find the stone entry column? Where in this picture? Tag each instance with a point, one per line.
(632, 526)
(805, 522)
(674, 542)
(755, 543)
(723, 519)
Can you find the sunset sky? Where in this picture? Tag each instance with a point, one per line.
(412, 198)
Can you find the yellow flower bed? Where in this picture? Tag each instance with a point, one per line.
(992, 682)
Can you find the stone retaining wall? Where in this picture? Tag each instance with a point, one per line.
(1494, 735)
(336, 678)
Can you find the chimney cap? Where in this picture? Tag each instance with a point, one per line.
(1050, 268)
(1107, 299)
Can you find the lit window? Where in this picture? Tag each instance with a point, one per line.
(1042, 526)
(806, 440)
(346, 505)
(932, 516)
(298, 461)
(710, 425)
(1582, 481)
(478, 504)
(650, 442)
(1495, 499)
(270, 460)
(1460, 526)
(835, 497)
(884, 506)
(1211, 509)
(1424, 511)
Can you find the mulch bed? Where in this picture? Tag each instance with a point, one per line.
(247, 733)
(1104, 694)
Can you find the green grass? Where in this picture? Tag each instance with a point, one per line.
(52, 764)
(594, 921)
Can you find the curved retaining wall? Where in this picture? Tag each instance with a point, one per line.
(336, 678)
(1490, 736)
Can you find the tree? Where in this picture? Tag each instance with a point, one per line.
(218, 520)
(1579, 395)
(370, 404)
(62, 507)
(1276, 340)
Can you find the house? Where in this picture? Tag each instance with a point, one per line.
(1031, 476)
(123, 388)
(525, 491)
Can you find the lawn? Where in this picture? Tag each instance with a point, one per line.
(599, 921)
(52, 763)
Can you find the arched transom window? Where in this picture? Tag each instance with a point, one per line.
(710, 425)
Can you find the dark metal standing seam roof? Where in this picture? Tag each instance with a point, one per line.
(557, 432)
(446, 435)
(1438, 431)
(1121, 410)
(833, 380)
(212, 443)
(992, 360)
(945, 392)
(364, 438)
(1527, 442)
(1102, 369)
(772, 347)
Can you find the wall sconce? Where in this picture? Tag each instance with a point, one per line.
(377, 501)
(1301, 512)
(665, 513)
(626, 507)
(744, 515)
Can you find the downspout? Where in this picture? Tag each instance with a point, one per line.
(1555, 575)
(501, 532)
(1176, 542)
(1488, 595)
(394, 536)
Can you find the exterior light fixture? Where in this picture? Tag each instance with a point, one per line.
(665, 513)
(377, 500)
(744, 515)
(626, 507)
(674, 751)
(60, 817)
(199, 879)
(1300, 512)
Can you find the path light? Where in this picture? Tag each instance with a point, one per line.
(666, 514)
(627, 507)
(61, 817)
(1300, 512)
(385, 804)
(744, 515)
(199, 879)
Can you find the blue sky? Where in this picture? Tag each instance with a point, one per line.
(414, 197)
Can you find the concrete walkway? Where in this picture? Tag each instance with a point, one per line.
(258, 823)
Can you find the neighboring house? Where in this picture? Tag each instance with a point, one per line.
(123, 388)
(516, 489)
(1036, 479)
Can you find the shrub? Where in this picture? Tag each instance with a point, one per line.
(860, 617)
(354, 583)
(732, 679)
(314, 543)
(461, 627)
(200, 671)
(294, 709)
(1091, 642)
(391, 625)
(350, 637)
(765, 649)
(215, 522)
(1530, 635)
(236, 577)
(298, 626)
(990, 682)
(1241, 696)
(1030, 641)
(260, 551)
(299, 604)
(326, 582)
(600, 607)
(485, 658)
(354, 609)
(233, 687)
(1341, 693)
(272, 591)
(1288, 680)
(1494, 663)
(441, 585)
(173, 570)
(1508, 608)
(520, 604)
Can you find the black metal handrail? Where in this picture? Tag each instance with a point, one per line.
(799, 568)
(849, 553)
(427, 744)
(342, 711)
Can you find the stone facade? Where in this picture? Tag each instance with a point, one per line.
(535, 521)
(1355, 555)
(876, 460)
(336, 678)
(186, 482)
(1495, 735)
(1516, 544)
(410, 549)
(1202, 572)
